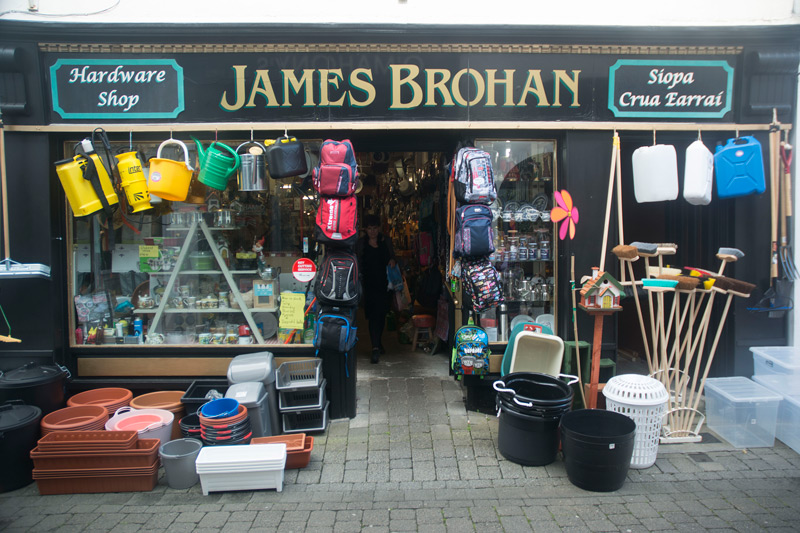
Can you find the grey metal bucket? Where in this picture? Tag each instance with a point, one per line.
(178, 457)
(253, 168)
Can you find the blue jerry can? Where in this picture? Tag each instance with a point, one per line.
(739, 166)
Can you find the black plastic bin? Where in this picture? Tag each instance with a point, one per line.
(195, 395)
(35, 384)
(19, 432)
(597, 447)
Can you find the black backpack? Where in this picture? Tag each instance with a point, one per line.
(335, 329)
(337, 280)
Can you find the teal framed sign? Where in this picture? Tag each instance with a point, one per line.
(117, 88)
(643, 88)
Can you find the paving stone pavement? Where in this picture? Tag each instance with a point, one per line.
(413, 459)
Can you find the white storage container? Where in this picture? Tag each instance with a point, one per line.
(698, 174)
(257, 466)
(777, 360)
(742, 412)
(788, 430)
(655, 173)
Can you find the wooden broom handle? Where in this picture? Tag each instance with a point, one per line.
(6, 243)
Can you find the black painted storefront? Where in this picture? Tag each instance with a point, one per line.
(758, 57)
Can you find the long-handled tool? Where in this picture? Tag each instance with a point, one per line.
(785, 253)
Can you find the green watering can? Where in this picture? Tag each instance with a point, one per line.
(217, 164)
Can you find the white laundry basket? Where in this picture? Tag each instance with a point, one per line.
(644, 399)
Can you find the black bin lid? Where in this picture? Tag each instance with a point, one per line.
(13, 416)
(31, 374)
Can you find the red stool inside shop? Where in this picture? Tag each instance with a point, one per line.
(423, 329)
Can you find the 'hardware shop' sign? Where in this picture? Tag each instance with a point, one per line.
(117, 88)
(670, 88)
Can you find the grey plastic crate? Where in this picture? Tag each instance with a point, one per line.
(303, 399)
(293, 375)
(306, 421)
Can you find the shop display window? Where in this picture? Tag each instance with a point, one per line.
(207, 270)
(525, 248)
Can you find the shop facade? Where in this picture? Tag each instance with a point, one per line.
(546, 105)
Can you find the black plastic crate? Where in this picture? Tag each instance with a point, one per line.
(195, 395)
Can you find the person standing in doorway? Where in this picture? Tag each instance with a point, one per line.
(375, 253)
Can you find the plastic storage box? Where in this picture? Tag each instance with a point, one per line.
(742, 412)
(784, 360)
(788, 430)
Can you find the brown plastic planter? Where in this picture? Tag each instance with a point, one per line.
(298, 455)
(143, 454)
(84, 417)
(294, 442)
(88, 440)
(124, 482)
(112, 398)
(300, 459)
(168, 400)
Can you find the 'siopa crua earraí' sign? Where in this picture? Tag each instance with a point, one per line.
(645, 88)
(117, 88)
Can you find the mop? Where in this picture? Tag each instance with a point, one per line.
(8, 267)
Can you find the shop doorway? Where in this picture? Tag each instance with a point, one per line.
(405, 192)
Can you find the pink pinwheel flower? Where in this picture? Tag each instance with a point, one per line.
(565, 212)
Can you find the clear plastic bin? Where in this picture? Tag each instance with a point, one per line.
(788, 430)
(742, 412)
(783, 360)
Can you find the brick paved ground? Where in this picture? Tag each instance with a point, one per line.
(415, 460)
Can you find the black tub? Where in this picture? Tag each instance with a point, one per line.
(597, 447)
(530, 406)
(19, 431)
(35, 384)
(529, 440)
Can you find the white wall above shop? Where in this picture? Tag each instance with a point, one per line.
(445, 12)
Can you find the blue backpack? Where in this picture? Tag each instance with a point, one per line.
(473, 234)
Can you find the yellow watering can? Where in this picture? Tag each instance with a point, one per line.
(169, 179)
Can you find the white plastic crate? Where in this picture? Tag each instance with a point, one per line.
(782, 360)
(306, 421)
(302, 399)
(742, 412)
(788, 430)
(298, 374)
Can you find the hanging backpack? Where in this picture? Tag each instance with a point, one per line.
(470, 351)
(337, 281)
(337, 221)
(337, 173)
(473, 235)
(335, 329)
(481, 283)
(473, 178)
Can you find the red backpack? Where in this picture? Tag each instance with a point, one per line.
(337, 173)
(337, 221)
